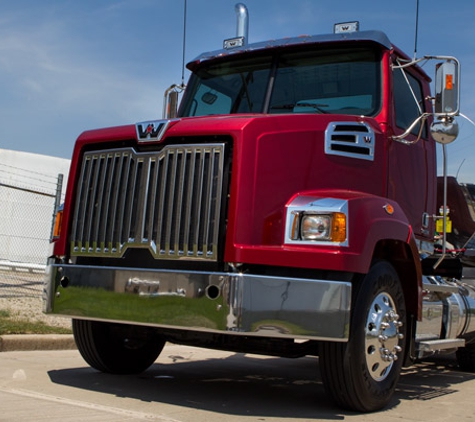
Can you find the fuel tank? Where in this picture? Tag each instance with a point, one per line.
(448, 315)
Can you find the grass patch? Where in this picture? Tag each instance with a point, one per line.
(10, 324)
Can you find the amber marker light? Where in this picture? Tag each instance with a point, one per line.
(389, 209)
(338, 227)
(295, 230)
(57, 223)
(449, 81)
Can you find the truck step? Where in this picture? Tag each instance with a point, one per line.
(440, 344)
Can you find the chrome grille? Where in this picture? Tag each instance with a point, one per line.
(167, 201)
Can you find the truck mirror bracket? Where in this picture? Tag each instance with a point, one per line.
(420, 120)
(170, 101)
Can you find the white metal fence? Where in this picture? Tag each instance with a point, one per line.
(28, 203)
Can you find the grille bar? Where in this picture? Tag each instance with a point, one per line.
(167, 201)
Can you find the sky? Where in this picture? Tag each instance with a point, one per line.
(71, 65)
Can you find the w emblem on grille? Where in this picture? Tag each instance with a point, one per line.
(151, 131)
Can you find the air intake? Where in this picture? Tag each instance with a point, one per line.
(350, 139)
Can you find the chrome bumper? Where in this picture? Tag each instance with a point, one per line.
(231, 303)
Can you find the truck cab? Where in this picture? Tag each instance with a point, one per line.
(282, 209)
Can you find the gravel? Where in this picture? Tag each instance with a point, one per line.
(20, 296)
(31, 308)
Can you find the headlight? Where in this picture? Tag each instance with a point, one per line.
(326, 227)
(316, 227)
(317, 221)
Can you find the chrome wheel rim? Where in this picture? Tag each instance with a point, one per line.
(382, 336)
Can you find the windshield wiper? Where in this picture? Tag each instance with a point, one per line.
(316, 107)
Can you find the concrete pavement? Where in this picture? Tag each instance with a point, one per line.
(188, 384)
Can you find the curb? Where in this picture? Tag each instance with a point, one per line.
(28, 342)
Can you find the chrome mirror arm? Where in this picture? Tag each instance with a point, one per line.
(170, 100)
(401, 138)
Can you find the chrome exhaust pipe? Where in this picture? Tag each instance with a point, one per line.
(242, 28)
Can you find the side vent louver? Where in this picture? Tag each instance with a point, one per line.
(350, 139)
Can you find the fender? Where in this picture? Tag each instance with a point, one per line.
(383, 231)
(371, 221)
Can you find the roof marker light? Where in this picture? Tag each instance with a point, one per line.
(346, 27)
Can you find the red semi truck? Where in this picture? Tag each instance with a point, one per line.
(287, 207)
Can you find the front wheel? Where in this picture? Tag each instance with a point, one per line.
(117, 348)
(362, 374)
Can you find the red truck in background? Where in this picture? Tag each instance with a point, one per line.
(287, 207)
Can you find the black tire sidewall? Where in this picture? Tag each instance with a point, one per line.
(466, 357)
(102, 347)
(382, 278)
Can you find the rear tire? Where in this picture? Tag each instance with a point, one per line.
(117, 348)
(466, 357)
(362, 374)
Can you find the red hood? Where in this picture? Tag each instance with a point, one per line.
(220, 125)
(274, 157)
(177, 127)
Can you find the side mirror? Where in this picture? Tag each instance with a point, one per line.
(447, 88)
(445, 130)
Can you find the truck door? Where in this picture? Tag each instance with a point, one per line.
(412, 168)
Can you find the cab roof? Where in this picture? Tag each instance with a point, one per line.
(377, 37)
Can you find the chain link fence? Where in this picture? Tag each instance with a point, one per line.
(28, 203)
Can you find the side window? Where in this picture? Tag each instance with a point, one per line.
(408, 100)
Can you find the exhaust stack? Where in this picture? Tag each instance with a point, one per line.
(242, 28)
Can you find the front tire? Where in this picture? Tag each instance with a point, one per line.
(362, 374)
(117, 348)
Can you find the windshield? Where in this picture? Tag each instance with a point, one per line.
(343, 81)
